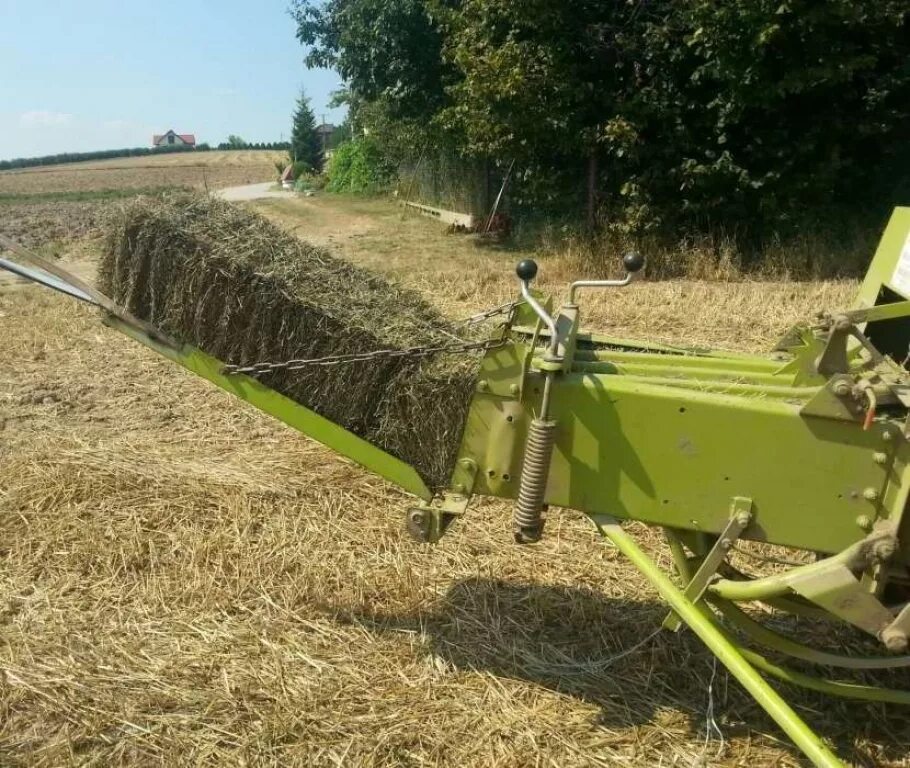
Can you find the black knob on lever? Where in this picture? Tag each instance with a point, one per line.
(633, 261)
(526, 270)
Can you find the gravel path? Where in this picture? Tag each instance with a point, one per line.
(253, 192)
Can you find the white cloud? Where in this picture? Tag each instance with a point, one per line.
(43, 117)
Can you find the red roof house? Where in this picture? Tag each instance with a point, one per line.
(171, 139)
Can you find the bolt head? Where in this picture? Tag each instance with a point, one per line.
(842, 388)
(870, 494)
(864, 522)
(514, 389)
(879, 458)
(884, 550)
(743, 518)
(726, 544)
(895, 640)
(887, 435)
(482, 385)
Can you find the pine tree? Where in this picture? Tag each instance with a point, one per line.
(306, 145)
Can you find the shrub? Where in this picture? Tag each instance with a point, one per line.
(359, 167)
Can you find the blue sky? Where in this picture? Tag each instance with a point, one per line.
(105, 74)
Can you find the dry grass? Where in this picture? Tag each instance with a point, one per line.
(212, 170)
(185, 582)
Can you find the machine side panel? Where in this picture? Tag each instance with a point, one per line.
(676, 457)
(891, 266)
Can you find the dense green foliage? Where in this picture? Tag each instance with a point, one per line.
(306, 144)
(358, 167)
(751, 116)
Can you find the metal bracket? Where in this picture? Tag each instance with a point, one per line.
(840, 593)
(428, 522)
(895, 635)
(740, 517)
(834, 357)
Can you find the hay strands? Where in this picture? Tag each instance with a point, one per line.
(45, 272)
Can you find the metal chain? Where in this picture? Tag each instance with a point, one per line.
(502, 309)
(410, 352)
(359, 357)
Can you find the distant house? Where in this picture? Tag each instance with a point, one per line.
(171, 139)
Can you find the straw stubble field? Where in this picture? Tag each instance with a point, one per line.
(185, 582)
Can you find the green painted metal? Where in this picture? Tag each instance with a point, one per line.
(286, 410)
(830, 687)
(673, 453)
(775, 641)
(883, 269)
(722, 647)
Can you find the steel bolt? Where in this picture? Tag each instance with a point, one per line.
(514, 389)
(864, 522)
(883, 550)
(870, 494)
(726, 544)
(482, 385)
(879, 458)
(743, 518)
(895, 640)
(887, 435)
(842, 388)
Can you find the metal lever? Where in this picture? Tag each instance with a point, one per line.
(527, 271)
(632, 261)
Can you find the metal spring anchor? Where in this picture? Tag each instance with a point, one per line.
(529, 520)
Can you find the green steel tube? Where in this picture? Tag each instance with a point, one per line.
(830, 687)
(778, 585)
(721, 646)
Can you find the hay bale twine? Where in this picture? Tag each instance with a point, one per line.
(228, 281)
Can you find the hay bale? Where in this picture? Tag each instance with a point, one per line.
(245, 291)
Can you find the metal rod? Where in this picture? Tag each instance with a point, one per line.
(721, 646)
(542, 314)
(759, 633)
(778, 585)
(597, 284)
(831, 687)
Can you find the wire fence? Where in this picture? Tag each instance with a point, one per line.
(447, 180)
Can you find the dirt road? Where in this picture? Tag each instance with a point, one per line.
(249, 192)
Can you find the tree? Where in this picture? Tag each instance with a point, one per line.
(306, 145)
(235, 142)
(387, 50)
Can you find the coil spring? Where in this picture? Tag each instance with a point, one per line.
(528, 521)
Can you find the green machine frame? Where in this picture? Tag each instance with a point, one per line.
(805, 448)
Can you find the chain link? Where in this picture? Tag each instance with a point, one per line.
(409, 352)
(502, 309)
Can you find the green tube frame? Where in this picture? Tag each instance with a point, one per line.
(721, 646)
